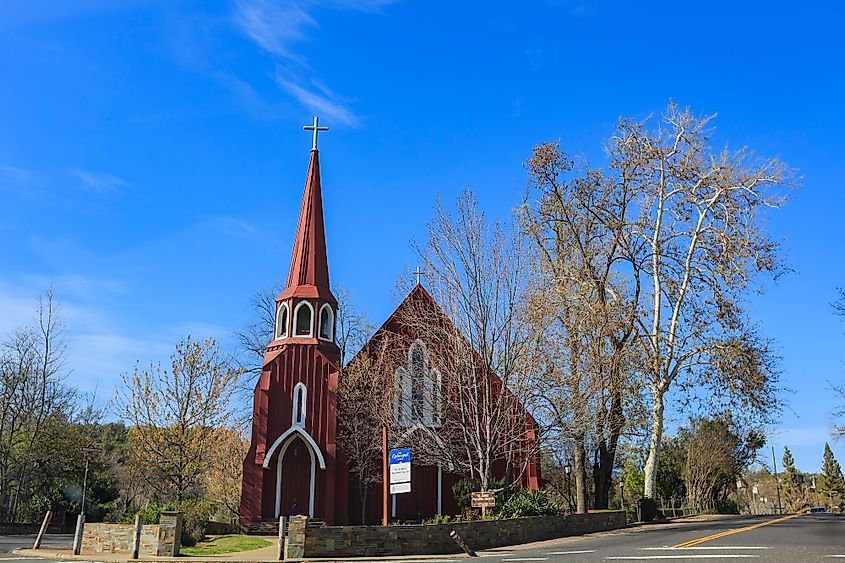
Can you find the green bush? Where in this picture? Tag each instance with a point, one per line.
(526, 502)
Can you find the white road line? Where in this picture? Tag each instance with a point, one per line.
(528, 559)
(571, 552)
(688, 556)
(840, 556)
(497, 554)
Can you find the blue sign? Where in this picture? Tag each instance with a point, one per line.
(402, 455)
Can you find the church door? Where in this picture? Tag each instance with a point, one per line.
(296, 472)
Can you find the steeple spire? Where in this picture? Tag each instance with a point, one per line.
(309, 270)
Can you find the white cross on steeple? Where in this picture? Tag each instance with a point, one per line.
(316, 129)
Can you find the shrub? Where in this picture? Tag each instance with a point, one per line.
(438, 519)
(526, 502)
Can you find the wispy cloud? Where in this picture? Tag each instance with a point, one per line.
(275, 26)
(101, 183)
(232, 226)
(16, 175)
(278, 28)
(319, 99)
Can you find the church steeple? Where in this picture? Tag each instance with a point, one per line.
(306, 309)
(309, 269)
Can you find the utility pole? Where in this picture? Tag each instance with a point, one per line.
(777, 480)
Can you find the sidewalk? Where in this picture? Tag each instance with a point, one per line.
(263, 555)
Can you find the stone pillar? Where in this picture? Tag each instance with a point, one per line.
(296, 537)
(170, 534)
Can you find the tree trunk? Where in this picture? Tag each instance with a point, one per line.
(657, 408)
(362, 490)
(607, 454)
(580, 471)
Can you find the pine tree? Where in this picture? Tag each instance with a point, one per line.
(831, 480)
(792, 480)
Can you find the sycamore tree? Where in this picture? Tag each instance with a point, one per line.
(697, 246)
(176, 416)
(583, 306)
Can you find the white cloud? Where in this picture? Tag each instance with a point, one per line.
(277, 27)
(319, 100)
(99, 182)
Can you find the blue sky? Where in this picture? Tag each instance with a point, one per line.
(152, 155)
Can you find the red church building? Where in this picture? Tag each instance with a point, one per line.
(294, 464)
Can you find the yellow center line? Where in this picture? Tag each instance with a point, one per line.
(697, 541)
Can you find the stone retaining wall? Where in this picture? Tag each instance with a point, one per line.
(433, 539)
(118, 538)
(162, 539)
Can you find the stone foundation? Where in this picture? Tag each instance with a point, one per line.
(433, 539)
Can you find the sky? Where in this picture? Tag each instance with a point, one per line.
(152, 156)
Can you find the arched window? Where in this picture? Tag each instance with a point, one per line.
(303, 316)
(300, 394)
(417, 389)
(326, 322)
(282, 321)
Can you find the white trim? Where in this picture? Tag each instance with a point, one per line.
(331, 323)
(296, 317)
(276, 335)
(304, 409)
(279, 464)
(305, 436)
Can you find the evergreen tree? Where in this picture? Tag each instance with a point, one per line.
(792, 481)
(831, 480)
(791, 476)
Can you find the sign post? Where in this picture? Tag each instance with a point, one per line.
(483, 500)
(400, 471)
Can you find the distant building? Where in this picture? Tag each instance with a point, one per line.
(295, 464)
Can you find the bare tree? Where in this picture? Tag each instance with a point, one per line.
(696, 247)
(224, 473)
(31, 394)
(364, 408)
(576, 219)
(175, 415)
(477, 272)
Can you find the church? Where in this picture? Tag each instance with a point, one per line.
(295, 464)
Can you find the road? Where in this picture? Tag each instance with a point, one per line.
(808, 537)
(51, 541)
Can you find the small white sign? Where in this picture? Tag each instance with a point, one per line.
(400, 473)
(400, 488)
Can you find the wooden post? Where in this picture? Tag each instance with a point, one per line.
(282, 537)
(457, 539)
(44, 524)
(385, 519)
(77, 536)
(136, 539)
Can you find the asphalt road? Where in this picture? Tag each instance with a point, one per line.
(808, 537)
(50, 541)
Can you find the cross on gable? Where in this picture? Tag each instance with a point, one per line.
(316, 129)
(418, 273)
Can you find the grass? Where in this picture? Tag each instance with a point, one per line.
(225, 544)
